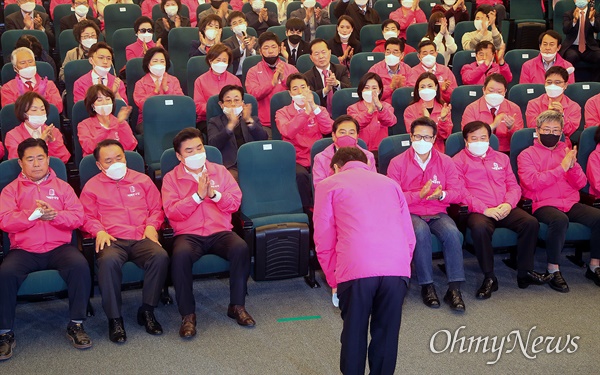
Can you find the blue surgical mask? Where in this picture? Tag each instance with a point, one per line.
(581, 4)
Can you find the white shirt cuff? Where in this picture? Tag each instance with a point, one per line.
(443, 195)
(317, 111)
(197, 198)
(217, 197)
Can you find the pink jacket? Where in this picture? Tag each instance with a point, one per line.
(406, 17)
(209, 84)
(84, 82)
(478, 110)
(1, 150)
(136, 49)
(122, 208)
(302, 130)
(17, 203)
(90, 132)
(572, 113)
(441, 72)
(192, 6)
(593, 171)
(414, 111)
(258, 84)
(321, 169)
(7, 2)
(373, 127)
(378, 242)
(381, 69)
(209, 217)
(473, 74)
(592, 111)
(56, 148)
(489, 180)
(46, 88)
(533, 70)
(147, 6)
(144, 88)
(544, 180)
(440, 170)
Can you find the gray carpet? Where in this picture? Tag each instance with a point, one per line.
(312, 346)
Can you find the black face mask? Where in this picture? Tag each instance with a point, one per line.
(271, 60)
(216, 3)
(437, 28)
(294, 39)
(549, 140)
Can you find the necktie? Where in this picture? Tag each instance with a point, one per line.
(29, 85)
(581, 32)
(493, 111)
(293, 57)
(100, 81)
(330, 93)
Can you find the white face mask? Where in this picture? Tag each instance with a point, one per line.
(171, 10)
(427, 94)
(361, 3)
(210, 34)
(158, 69)
(392, 60)
(548, 56)
(344, 37)
(554, 91)
(81, 10)
(116, 171)
(103, 110)
(298, 99)
(310, 3)
(235, 111)
(36, 121)
(428, 61)
(258, 5)
(494, 99)
(390, 34)
(145, 37)
(367, 96)
(101, 71)
(449, 2)
(28, 72)
(219, 67)
(422, 147)
(87, 43)
(196, 161)
(240, 29)
(28, 7)
(478, 24)
(407, 3)
(479, 62)
(478, 148)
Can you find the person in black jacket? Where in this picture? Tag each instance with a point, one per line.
(573, 49)
(80, 13)
(359, 11)
(294, 45)
(260, 18)
(172, 19)
(241, 44)
(345, 43)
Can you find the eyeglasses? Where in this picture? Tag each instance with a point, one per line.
(549, 131)
(419, 137)
(144, 31)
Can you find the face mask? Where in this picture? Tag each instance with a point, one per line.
(310, 3)
(271, 60)
(494, 100)
(102, 71)
(28, 72)
(257, 5)
(549, 140)
(294, 39)
(427, 94)
(171, 10)
(158, 69)
(196, 161)
(145, 37)
(81, 10)
(87, 43)
(367, 96)
(298, 99)
(103, 110)
(390, 34)
(437, 28)
(344, 37)
(116, 171)
(428, 61)
(361, 3)
(581, 4)
(240, 29)
(548, 56)
(478, 24)
(345, 141)
(392, 60)
(407, 3)
(449, 2)
(36, 121)
(554, 91)
(479, 62)
(422, 147)
(478, 148)
(28, 7)
(235, 111)
(219, 67)
(211, 34)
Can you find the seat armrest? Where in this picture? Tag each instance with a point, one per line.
(526, 204)
(247, 223)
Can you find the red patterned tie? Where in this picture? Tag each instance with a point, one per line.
(29, 85)
(330, 93)
(581, 32)
(493, 110)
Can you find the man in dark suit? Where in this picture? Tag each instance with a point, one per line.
(241, 44)
(260, 18)
(81, 13)
(325, 78)
(360, 12)
(29, 19)
(312, 16)
(294, 45)
(574, 49)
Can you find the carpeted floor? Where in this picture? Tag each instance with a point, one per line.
(311, 346)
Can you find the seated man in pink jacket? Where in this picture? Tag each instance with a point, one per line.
(302, 123)
(198, 198)
(39, 212)
(593, 167)
(592, 111)
(392, 70)
(534, 70)
(427, 55)
(492, 194)
(493, 108)
(27, 79)
(551, 177)
(365, 258)
(430, 182)
(489, 61)
(344, 132)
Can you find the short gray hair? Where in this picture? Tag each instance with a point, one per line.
(550, 116)
(13, 55)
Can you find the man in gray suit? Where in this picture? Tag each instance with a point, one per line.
(30, 19)
(312, 16)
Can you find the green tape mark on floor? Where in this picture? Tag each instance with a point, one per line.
(296, 318)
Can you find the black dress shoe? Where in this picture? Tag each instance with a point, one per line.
(116, 331)
(78, 337)
(147, 318)
(488, 286)
(557, 282)
(430, 298)
(533, 278)
(7, 344)
(454, 299)
(239, 313)
(593, 275)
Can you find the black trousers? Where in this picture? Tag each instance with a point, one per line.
(188, 248)
(558, 223)
(381, 299)
(482, 228)
(69, 262)
(147, 255)
(304, 185)
(573, 56)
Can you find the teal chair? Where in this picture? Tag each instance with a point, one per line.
(369, 35)
(213, 109)
(412, 59)
(321, 144)
(580, 92)
(122, 38)
(456, 142)
(385, 7)
(522, 93)
(461, 97)
(401, 99)
(227, 32)
(43, 69)
(9, 121)
(271, 7)
(326, 31)
(278, 101)
(586, 146)
(9, 40)
(248, 63)
(196, 66)
(427, 5)
(361, 63)
(414, 34)
(119, 16)
(515, 60)
(526, 10)
(342, 99)
(73, 71)
(460, 29)
(157, 13)
(460, 59)
(180, 39)
(304, 63)
(60, 11)
(164, 117)
(279, 31)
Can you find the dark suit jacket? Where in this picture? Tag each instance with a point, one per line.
(302, 49)
(16, 22)
(352, 10)
(68, 22)
(194, 51)
(336, 48)
(233, 43)
(224, 140)
(315, 82)
(301, 13)
(161, 33)
(572, 31)
(261, 27)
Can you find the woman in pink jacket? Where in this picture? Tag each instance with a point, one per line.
(408, 14)
(427, 102)
(373, 115)
(593, 167)
(102, 124)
